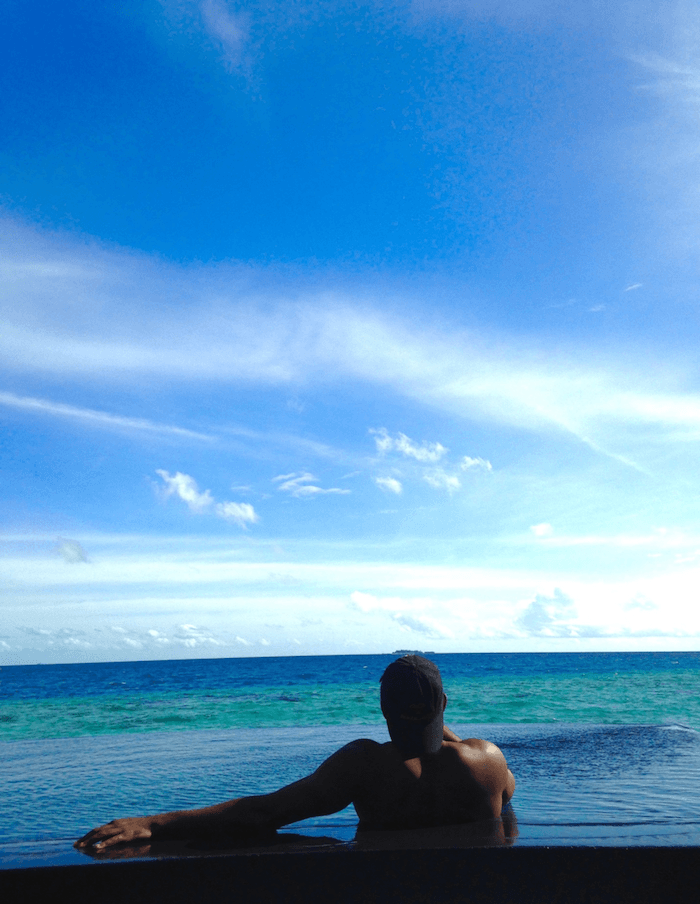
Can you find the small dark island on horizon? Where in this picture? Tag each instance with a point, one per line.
(414, 653)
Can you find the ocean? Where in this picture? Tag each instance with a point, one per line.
(605, 747)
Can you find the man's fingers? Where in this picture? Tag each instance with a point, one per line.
(87, 839)
(115, 832)
(108, 842)
(100, 836)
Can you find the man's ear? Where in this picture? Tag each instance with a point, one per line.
(444, 702)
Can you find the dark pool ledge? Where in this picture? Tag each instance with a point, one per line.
(312, 869)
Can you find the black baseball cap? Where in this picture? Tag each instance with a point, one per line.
(411, 700)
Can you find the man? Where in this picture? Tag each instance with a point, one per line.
(424, 776)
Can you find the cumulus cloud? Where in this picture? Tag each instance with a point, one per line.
(241, 513)
(194, 636)
(363, 602)
(401, 443)
(303, 484)
(390, 484)
(70, 637)
(399, 611)
(421, 625)
(185, 487)
(542, 530)
(441, 480)
(71, 550)
(549, 616)
(468, 463)
(642, 603)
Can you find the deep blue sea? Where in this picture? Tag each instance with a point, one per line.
(605, 747)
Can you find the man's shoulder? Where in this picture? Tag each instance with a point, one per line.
(474, 751)
(357, 754)
(478, 746)
(365, 744)
(362, 748)
(484, 760)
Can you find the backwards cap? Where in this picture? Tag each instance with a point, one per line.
(411, 699)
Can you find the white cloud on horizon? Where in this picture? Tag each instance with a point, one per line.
(457, 607)
(408, 613)
(548, 616)
(421, 624)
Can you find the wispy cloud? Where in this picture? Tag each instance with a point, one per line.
(675, 79)
(303, 484)
(227, 28)
(71, 550)
(286, 441)
(96, 418)
(242, 341)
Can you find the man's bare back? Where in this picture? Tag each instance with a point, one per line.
(454, 781)
(465, 781)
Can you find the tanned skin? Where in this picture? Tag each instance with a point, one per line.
(465, 781)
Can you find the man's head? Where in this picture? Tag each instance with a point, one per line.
(413, 702)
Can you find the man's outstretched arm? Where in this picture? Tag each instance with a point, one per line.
(330, 788)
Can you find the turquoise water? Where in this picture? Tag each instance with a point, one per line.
(115, 698)
(631, 698)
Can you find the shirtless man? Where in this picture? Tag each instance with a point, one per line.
(424, 776)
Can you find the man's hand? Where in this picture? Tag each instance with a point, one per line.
(117, 831)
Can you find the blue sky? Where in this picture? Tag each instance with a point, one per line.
(347, 327)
